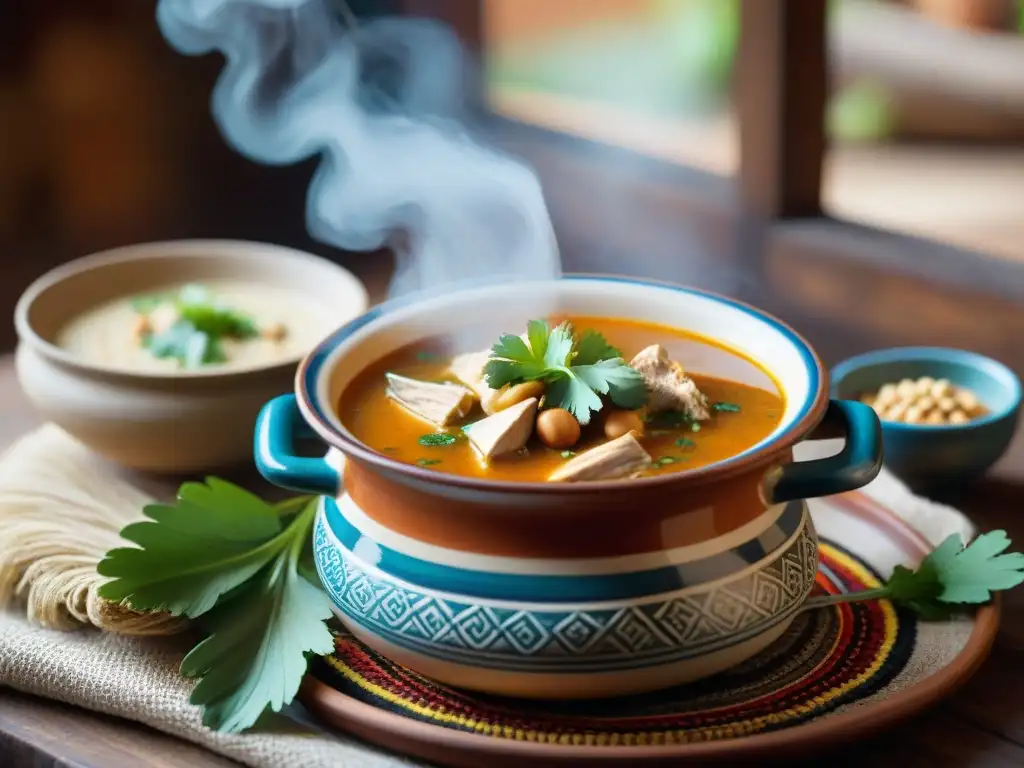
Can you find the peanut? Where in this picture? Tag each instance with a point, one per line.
(516, 394)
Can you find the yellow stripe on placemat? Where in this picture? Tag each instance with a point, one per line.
(653, 738)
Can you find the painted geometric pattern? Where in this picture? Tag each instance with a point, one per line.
(654, 632)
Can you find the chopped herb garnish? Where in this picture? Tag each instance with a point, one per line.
(191, 347)
(685, 442)
(695, 427)
(568, 454)
(577, 371)
(726, 407)
(669, 419)
(434, 439)
(659, 432)
(427, 357)
(428, 462)
(217, 321)
(194, 338)
(666, 460)
(465, 427)
(593, 348)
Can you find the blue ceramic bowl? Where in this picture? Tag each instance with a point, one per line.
(936, 455)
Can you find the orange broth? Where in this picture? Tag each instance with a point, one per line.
(745, 415)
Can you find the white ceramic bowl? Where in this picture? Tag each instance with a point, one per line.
(171, 422)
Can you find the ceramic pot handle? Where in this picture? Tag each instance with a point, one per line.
(853, 467)
(277, 427)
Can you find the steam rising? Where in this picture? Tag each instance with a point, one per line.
(395, 159)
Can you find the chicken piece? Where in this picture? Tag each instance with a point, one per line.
(469, 369)
(505, 432)
(669, 388)
(439, 404)
(620, 457)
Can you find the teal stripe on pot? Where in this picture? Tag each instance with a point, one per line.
(560, 588)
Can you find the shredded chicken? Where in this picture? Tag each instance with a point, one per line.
(669, 388)
(621, 457)
(440, 404)
(505, 432)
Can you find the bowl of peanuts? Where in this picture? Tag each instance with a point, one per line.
(947, 414)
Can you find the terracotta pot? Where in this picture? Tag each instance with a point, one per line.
(566, 590)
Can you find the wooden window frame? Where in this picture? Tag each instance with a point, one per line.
(772, 209)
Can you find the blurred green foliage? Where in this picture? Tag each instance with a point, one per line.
(673, 60)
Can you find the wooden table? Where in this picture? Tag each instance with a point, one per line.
(981, 725)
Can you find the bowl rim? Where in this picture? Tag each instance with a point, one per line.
(811, 413)
(223, 249)
(991, 367)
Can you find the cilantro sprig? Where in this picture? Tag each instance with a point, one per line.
(951, 575)
(194, 339)
(577, 370)
(243, 569)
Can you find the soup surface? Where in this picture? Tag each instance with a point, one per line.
(218, 323)
(742, 410)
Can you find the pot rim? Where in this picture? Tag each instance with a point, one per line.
(810, 414)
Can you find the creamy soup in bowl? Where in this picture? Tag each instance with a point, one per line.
(214, 325)
(159, 356)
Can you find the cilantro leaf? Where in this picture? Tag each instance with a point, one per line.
(572, 393)
(908, 586)
(593, 348)
(950, 575)
(537, 332)
(561, 342)
(216, 321)
(614, 378)
(512, 347)
(194, 338)
(577, 374)
(186, 344)
(971, 574)
(512, 361)
(502, 372)
(213, 539)
(255, 656)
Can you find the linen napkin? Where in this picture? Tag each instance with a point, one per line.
(136, 677)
